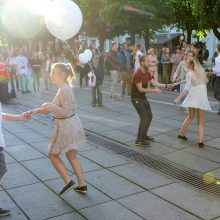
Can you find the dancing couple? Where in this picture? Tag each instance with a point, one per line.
(68, 136)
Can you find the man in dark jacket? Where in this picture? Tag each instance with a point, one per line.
(125, 61)
(99, 73)
(114, 66)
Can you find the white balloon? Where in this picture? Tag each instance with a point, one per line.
(181, 37)
(88, 54)
(83, 58)
(64, 19)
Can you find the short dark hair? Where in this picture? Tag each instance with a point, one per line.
(138, 46)
(114, 43)
(142, 59)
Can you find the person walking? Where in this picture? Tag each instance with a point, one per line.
(47, 68)
(165, 60)
(217, 73)
(7, 118)
(138, 54)
(112, 61)
(153, 64)
(125, 61)
(21, 63)
(35, 63)
(69, 135)
(12, 73)
(196, 99)
(97, 89)
(139, 85)
(175, 60)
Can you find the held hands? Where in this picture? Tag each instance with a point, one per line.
(157, 91)
(24, 117)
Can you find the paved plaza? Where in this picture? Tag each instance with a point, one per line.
(119, 188)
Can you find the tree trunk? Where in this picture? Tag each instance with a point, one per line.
(147, 38)
(132, 38)
(189, 35)
(101, 42)
(216, 33)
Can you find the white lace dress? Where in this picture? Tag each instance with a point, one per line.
(197, 92)
(68, 133)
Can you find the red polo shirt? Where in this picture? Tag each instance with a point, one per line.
(4, 70)
(140, 77)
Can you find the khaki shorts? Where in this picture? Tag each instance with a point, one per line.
(3, 169)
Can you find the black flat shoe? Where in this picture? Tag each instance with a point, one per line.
(182, 137)
(67, 188)
(81, 189)
(201, 144)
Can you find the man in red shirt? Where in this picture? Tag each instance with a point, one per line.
(139, 88)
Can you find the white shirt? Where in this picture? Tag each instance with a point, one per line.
(216, 69)
(137, 62)
(2, 142)
(22, 63)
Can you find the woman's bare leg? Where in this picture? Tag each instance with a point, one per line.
(60, 167)
(75, 163)
(187, 121)
(200, 117)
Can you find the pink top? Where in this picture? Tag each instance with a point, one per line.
(153, 62)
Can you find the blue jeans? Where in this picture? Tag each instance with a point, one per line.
(24, 81)
(97, 89)
(143, 109)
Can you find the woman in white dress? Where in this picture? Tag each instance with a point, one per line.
(196, 99)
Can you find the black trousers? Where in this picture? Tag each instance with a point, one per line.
(217, 89)
(143, 109)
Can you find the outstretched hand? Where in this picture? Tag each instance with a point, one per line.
(25, 117)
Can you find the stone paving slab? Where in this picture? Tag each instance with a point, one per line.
(109, 211)
(151, 207)
(214, 143)
(12, 140)
(70, 216)
(191, 161)
(24, 152)
(97, 127)
(190, 200)
(79, 200)
(120, 136)
(209, 153)
(104, 158)
(112, 184)
(41, 146)
(7, 203)
(31, 137)
(46, 204)
(153, 148)
(141, 175)
(172, 141)
(42, 168)
(87, 165)
(17, 176)
(8, 158)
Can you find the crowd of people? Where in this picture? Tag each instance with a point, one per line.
(138, 73)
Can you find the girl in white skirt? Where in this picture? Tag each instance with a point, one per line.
(196, 99)
(69, 135)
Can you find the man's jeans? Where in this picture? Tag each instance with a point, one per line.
(143, 109)
(217, 89)
(98, 89)
(114, 78)
(24, 81)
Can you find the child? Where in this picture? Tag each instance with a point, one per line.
(69, 134)
(99, 73)
(6, 117)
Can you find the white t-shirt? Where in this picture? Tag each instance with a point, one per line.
(137, 62)
(2, 142)
(22, 63)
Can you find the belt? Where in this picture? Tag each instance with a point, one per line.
(1, 148)
(63, 118)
